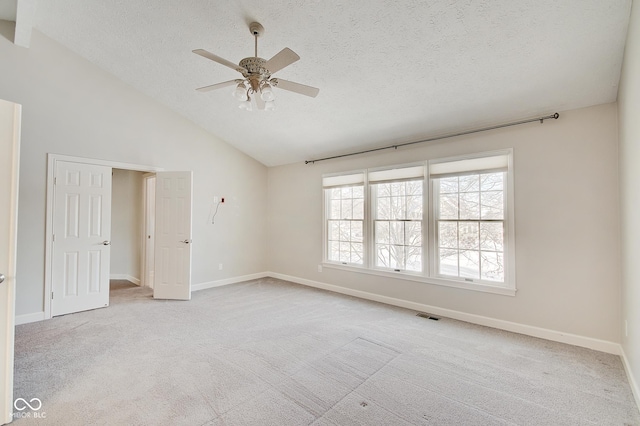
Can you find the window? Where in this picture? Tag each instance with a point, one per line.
(470, 226)
(445, 221)
(397, 218)
(469, 214)
(345, 219)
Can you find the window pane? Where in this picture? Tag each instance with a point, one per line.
(448, 235)
(397, 189)
(469, 183)
(469, 235)
(334, 230)
(397, 257)
(396, 232)
(382, 255)
(449, 206)
(346, 192)
(469, 205)
(491, 236)
(470, 264)
(358, 192)
(334, 209)
(492, 265)
(358, 208)
(414, 207)
(448, 262)
(357, 253)
(413, 234)
(397, 208)
(414, 262)
(347, 209)
(356, 232)
(448, 185)
(492, 205)
(345, 252)
(382, 232)
(492, 182)
(334, 251)
(345, 230)
(413, 187)
(383, 210)
(383, 189)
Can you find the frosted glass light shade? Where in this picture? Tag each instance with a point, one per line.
(240, 93)
(267, 93)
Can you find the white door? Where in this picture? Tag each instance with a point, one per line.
(150, 230)
(9, 162)
(172, 278)
(81, 237)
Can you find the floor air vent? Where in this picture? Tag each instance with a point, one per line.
(427, 316)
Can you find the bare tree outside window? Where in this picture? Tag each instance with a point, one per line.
(345, 224)
(470, 226)
(398, 225)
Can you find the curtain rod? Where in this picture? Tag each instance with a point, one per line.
(453, 135)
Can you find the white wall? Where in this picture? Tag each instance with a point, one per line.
(629, 128)
(566, 215)
(127, 219)
(71, 107)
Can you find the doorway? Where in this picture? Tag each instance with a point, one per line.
(172, 250)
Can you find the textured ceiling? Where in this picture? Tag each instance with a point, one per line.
(388, 70)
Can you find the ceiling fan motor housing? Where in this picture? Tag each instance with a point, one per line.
(255, 72)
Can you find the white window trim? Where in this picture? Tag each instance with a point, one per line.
(427, 276)
(509, 229)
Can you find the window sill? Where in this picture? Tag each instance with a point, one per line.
(484, 288)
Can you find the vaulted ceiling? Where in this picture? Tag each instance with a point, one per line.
(389, 71)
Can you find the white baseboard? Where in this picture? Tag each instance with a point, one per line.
(632, 381)
(543, 333)
(27, 318)
(227, 281)
(126, 277)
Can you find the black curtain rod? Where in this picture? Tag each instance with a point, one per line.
(453, 135)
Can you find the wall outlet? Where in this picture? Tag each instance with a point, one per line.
(319, 268)
(220, 266)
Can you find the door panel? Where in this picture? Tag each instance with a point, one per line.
(82, 235)
(9, 161)
(172, 278)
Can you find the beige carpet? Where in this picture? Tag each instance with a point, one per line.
(268, 352)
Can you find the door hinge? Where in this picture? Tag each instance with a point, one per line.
(51, 295)
(55, 180)
(54, 238)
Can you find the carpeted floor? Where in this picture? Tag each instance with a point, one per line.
(269, 352)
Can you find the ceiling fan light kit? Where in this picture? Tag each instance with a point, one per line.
(257, 84)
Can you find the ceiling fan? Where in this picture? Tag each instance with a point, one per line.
(257, 83)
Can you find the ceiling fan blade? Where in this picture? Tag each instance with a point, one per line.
(218, 59)
(218, 85)
(295, 87)
(282, 59)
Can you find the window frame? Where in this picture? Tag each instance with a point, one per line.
(423, 226)
(429, 250)
(326, 218)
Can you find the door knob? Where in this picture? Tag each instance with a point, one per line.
(186, 241)
(106, 243)
(1, 278)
